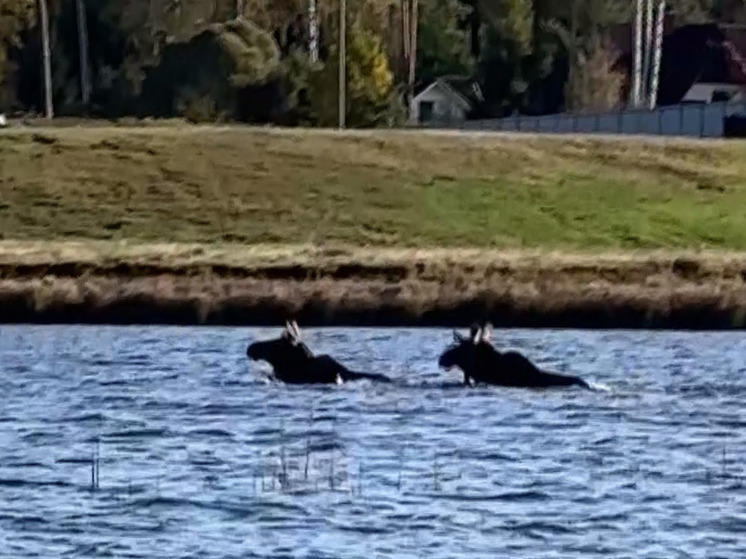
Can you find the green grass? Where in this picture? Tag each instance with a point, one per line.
(226, 185)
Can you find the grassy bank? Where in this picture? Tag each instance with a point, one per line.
(205, 225)
(198, 284)
(206, 185)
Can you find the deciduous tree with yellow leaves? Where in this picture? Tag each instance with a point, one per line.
(371, 96)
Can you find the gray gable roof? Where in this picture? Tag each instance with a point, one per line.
(465, 90)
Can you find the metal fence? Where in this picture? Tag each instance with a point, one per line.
(700, 120)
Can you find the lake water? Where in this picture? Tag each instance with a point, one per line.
(199, 456)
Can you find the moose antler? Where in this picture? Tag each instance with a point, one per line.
(290, 332)
(477, 337)
(487, 331)
(296, 330)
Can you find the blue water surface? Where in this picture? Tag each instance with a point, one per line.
(200, 456)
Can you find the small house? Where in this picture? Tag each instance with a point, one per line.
(723, 78)
(447, 100)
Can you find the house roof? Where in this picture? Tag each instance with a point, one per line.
(696, 53)
(465, 90)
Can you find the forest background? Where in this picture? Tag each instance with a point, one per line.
(256, 60)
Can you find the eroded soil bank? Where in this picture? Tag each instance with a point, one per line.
(101, 224)
(190, 284)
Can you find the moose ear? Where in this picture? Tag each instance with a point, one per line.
(477, 337)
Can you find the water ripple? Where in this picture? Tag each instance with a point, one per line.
(198, 455)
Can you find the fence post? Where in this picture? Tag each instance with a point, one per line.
(701, 120)
(722, 120)
(660, 121)
(681, 119)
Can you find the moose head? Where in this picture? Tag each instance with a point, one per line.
(286, 351)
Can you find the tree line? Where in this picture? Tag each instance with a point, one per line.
(277, 61)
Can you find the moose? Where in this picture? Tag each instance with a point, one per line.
(293, 362)
(480, 362)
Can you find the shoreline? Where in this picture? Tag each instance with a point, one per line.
(261, 303)
(115, 283)
(237, 225)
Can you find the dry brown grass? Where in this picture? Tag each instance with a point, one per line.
(180, 300)
(191, 284)
(234, 225)
(443, 265)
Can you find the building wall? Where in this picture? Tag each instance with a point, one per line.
(446, 107)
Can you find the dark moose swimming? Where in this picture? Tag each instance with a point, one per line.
(481, 363)
(293, 362)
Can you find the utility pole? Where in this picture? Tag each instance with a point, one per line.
(85, 88)
(658, 54)
(47, 62)
(342, 62)
(413, 47)
(637, 57)
(405, 42)
(409, 17)
(313, 32)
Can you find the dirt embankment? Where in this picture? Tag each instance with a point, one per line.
(173, 284)
(99, 224)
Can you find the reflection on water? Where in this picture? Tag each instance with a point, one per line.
(198, 455)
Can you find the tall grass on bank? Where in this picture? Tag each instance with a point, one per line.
(198, 284)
